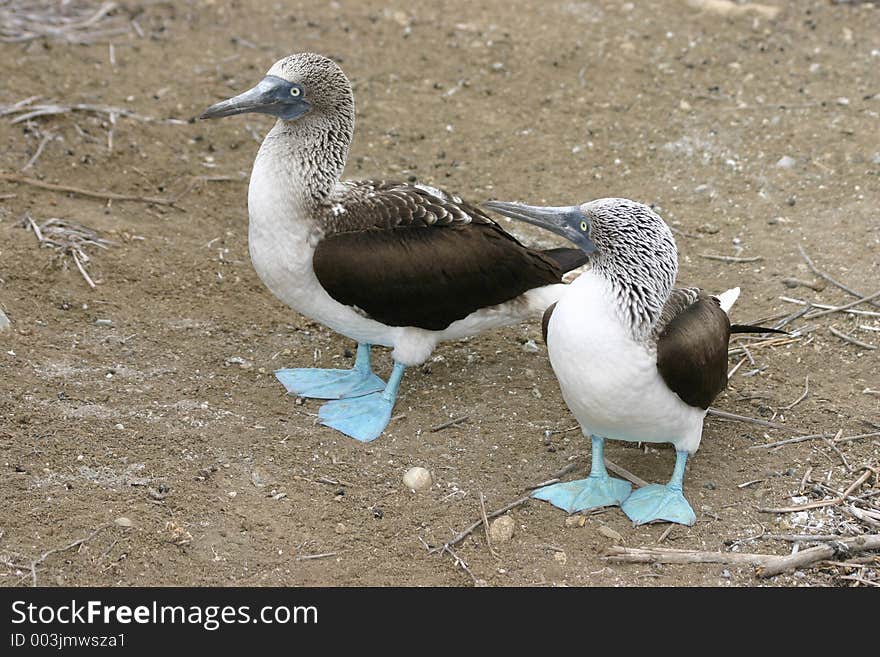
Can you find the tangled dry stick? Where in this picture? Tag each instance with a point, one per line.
(71, 21)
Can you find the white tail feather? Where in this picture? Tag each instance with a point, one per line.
(727, 299)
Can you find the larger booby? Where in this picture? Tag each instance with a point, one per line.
(636, 359)
(394, 264)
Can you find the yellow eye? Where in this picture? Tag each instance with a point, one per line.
(584, 226)
(295, 91)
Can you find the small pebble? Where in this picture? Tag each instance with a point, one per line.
(576, 521)
(258, 479)
(530, 347)
(4, 321)
(241, 362)
(786, 162)
(104, 322)
(502, 529)
(122, 521)
(157, 493)
(607, 532)
(417, 479)
(340, 528)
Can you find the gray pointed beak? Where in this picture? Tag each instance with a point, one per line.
(567, 221)
(271, 96)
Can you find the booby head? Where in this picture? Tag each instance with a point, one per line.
(629, 244)
(303, 84)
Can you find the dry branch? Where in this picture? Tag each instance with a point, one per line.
(726, 258)
(848, 338)
(107, 196)
(70, 546)
(828, 278)
(751, 420)
(767, 565)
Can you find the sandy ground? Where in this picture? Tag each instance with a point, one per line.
(162, 437)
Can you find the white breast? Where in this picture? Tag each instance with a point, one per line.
(282, 243)
(608, 379)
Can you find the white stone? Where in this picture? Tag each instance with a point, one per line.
(417, 479)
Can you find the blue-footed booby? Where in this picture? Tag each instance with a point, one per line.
(394, 264)
(636, 359)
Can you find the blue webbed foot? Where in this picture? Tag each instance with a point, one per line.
(333, 384)
(362, 418)
(596, 490)
(582, 494)
(659, 502)
(329, 384)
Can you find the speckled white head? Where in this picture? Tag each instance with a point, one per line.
(314, 104)
(629, 244)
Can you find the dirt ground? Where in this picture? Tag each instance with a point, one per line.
(161, 436)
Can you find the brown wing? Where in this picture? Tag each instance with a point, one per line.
(428, 277)
(692, 337)
(409, 255)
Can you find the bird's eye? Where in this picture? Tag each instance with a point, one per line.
(295, 91)
(584, 226)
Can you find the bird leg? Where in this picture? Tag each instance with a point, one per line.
(659, 502)
(599, 489)
(364, 418)
(333, 384)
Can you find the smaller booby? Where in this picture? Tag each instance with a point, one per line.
(395, 264)
(636, 359)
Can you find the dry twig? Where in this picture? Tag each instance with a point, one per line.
(70, 546)
(726, 258)
(446, 425)
(107, 196)
(768, 565)
(828, 278)
(751, 420)
(848, 338)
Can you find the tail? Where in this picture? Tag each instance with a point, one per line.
(727, 299)
(566, 259)
(748, 328)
